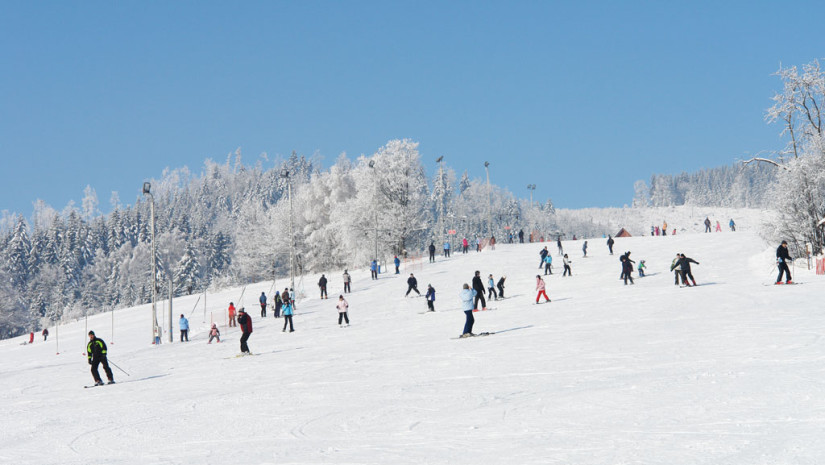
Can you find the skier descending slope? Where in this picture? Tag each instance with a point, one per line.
(478, 287)
(782, 259)
(96, 350)
(540, 288)
(466, 295)
(245, 321)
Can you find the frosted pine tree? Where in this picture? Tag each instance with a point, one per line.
(188, 272)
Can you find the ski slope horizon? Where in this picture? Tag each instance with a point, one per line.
(647, 373)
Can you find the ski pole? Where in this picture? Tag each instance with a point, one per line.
(121, 369)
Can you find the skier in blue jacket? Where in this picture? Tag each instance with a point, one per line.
(467, 295)
(430, 298)
(184, 328)
(262, 299)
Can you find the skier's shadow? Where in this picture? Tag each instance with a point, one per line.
(514, 329)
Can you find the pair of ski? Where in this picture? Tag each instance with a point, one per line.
(98, 385)
(485, 333)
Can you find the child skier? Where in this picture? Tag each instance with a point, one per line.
(430, 298)
(540, 289)
(214, 333)
(641, 268)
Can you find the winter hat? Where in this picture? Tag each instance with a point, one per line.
(181, 315)
(91, 333)
(241, 310)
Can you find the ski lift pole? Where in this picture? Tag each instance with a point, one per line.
(195, 307)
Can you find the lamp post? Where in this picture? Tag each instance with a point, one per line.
(532, 187)
(285, 174)
(440, 161)
(374, 206)
(147, 188)
(490, 201)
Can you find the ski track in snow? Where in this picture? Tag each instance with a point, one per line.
(729, 372)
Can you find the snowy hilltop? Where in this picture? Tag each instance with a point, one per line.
(606, 373)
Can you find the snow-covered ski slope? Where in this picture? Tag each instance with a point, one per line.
(730, 372)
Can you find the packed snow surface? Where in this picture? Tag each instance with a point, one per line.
(729, 372)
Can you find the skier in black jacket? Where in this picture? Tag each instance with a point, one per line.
(610, 242)
(478, 286)
(322, 283)
(413, 285)
(685, 262)
(96, 351)
(782, 259)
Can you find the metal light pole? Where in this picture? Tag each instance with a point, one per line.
(374, 206)
(147, 187)
(440, 162)
(532, 187)
(285, 174)
(490, 201)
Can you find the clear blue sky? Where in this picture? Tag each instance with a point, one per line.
(579, 98)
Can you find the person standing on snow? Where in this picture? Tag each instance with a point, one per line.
(397, 262)
(45, 334)
(322, 284)
(521, 236)
(466, 295)
(558, 244)
(627, 269)
(374, 269)
(584, 249)
(567, 270)
(262, 300)
(347, 281)
(664, 228)
(718, 226)
(96, 353)
(707, 225)
(782, 259)
(548, 264)
(183, 324)
(641, 268)
(288, 316)
(232, 314)
(343, 307)
(732, 225)
(684, 263)
(543, 254)
(278, 303)
(540, 288)
(214, 333)
(478, 287)
(500, 286)
(430, 298)
(676, 268)
(466, 244)
(610, 243)
(432, 252)
(491, 288)
(447, 249)
(246, 328)
(412, 284)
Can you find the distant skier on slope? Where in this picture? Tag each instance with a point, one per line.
(500, 286)
(430, 296)
(412, 284)
(610, 243)
(548, 264)
(540, 288)
(466, 295)
(343, 308)
(322, 284)
(245, 321)
(491, 288)
(262, 300)
(685, 262)
(584, 249)
(627, 269)
(543, 254)
(567, 270)
(478, 287)
(782, 259)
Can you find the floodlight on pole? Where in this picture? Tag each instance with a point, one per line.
(532, 187)
(285, 175)
(490, 201)
(147, 190)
